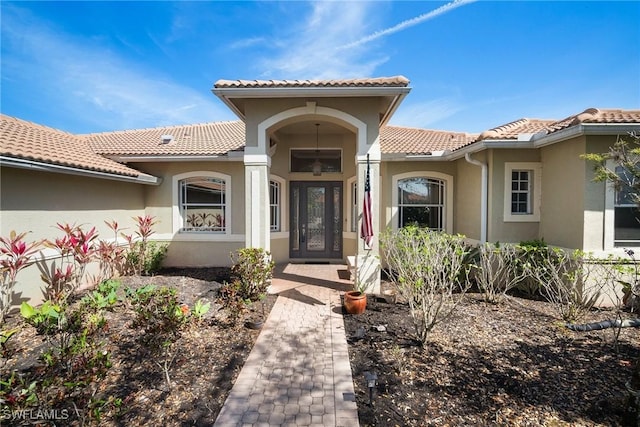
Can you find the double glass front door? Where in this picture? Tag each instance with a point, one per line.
(316, 219)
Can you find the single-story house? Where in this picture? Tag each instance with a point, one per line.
(287, 176)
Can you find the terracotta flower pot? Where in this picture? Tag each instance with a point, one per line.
(355, 302)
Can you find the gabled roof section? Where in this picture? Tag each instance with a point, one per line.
(390, 90)
(25, 143)
(207, 139)
(412, 141)
(396, 81)
(597, 116)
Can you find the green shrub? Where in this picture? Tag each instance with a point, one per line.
(152, 255)
(253, 269)
(532, 255)
(104, 297)
(430, 272)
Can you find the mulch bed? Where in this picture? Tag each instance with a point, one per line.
(511, 364)
(209, 359)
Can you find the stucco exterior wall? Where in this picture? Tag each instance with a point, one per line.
(498, 230)
(596, 227)
(562, 219)
(199, 249)
(467, 220)
(36, 201)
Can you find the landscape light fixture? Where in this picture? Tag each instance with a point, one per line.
(317, 165)
(372, 381)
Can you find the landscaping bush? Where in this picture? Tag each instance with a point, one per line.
(429, 271)
(532, 253)
(497, 270)
(568, 281)
(15, 255)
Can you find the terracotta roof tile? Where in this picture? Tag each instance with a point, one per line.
(395, 139)
(206, 139)
(515, 128)
(396, 81)
(594, 115)
(24, 140)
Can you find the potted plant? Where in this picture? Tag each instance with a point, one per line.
(355, 301)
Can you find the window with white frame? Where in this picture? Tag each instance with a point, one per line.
(421, 202)
(523, 181)
(626, 213)
(203, 204)
(275, 192)
(521, 188)
(354, 206)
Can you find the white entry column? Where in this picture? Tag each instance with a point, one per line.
(368, 256)
(256, 184)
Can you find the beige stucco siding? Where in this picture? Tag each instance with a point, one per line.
(467, 219)
(498, 229)
(187, 249)
(258, 110)
(595, 228)
(563, 193)
(35, 202)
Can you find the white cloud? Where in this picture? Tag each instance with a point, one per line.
(426, 114)
(85, 79)
(317, 49)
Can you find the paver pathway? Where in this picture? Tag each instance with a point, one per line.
(298, 372)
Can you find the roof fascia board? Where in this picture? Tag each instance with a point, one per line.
(45, 167)
(486, 144)
(397, 100)
(299, 92)
(151, 159)
(585, 129)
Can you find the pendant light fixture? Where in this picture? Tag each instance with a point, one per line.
(317, 165)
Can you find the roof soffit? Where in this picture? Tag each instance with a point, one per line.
(390, 91)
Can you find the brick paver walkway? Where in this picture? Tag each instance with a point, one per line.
(298, 372)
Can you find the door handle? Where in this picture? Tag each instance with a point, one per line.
(304, 233)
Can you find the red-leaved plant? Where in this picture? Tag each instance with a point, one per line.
(77, 250)
(15, 254)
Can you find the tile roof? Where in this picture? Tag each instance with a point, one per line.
(595, 115)
(20, 139)
(395, 81)
(511, 130)
(396, 139)
(515, 128)
(207, 139)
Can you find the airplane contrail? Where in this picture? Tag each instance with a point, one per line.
(408, 23)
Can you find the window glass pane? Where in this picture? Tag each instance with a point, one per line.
(418, 191)
(202, 218)
(627, 226)
(354, 207)
(421, 202)
(274, 201)
(421, 216)
(202, 204)
(303, 160)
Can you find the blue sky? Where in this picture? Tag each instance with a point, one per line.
(100, 66)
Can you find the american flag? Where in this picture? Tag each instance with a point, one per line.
(366, 229)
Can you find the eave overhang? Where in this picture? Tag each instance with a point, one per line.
(394, 94)
(48, 167)
(233, 156)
